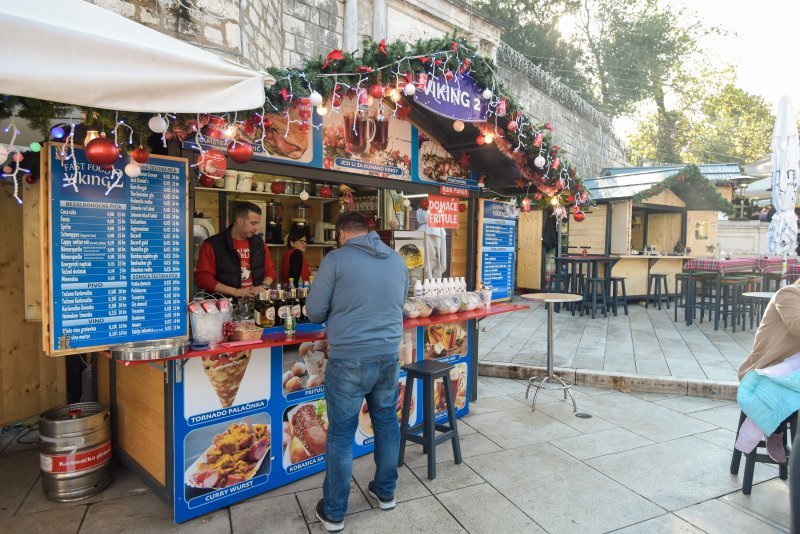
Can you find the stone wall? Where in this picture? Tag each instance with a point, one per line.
(261, 33)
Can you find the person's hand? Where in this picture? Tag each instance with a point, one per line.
(248, 292)
(268, 281)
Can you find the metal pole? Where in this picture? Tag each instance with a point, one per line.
(550, 339)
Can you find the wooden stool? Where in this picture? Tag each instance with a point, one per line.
(614, 284)
(655, 283)
(428, 371)
(787, 426)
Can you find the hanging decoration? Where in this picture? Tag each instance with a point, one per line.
(133, 170)
(14, 171)
(140, 155)
(240, 151)
(102, 151)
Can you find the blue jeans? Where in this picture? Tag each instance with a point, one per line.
(347, 383)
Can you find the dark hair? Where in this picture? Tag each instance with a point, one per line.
(296, 234)
(351, 221)
(242, 209)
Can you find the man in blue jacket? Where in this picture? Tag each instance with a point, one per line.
(359, 290)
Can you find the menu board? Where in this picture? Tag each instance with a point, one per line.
(118, 264)
(497, 241)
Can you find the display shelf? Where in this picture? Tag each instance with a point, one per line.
(264, 194)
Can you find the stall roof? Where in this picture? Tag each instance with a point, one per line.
(716, 172)
(620, 186)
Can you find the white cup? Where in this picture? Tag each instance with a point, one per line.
(231, 178)
(259, 186)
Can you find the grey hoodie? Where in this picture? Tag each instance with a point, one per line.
(360, 289)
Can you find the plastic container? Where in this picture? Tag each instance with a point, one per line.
(245, 182)
(231, 179)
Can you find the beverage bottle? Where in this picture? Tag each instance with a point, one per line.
(279, 306)
(451, 286)
(418, 289)
(439, 287)
(268, 315)
(302, 297)
(289, 327)
(426, 288)
(296, 310)
(462, 284)
(257, 310)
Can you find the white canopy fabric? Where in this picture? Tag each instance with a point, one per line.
(782, 235)
(74, 52)
(760, 168)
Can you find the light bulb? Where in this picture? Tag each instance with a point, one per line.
(90, 135)
(488, 138)
(322, 110)
(554, 201)
(394, 95)
(229, 132)
(370, 101)
(458, 126)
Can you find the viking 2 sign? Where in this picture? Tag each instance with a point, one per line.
(457, 99)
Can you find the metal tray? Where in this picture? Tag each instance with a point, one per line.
(150, 350)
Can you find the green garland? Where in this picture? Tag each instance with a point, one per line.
(691, 176)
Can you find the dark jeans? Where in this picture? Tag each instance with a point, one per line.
(347, 384)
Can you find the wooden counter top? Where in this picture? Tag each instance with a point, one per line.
(311, 332)
(652, 257)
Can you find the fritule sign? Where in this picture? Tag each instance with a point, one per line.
(442, 212)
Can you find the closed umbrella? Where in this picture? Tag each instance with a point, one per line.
(782, 235)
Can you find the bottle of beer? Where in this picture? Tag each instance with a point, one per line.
(289, 326)
(284, 308)
(258, 310)
(277, 306)
(294, 304)
(268, 315)
(302, 297)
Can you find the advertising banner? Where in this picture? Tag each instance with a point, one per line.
(458, 98)
(442, 212)
(497, 247)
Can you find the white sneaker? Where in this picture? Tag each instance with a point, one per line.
(382, 504)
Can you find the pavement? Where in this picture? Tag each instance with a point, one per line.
(643, 463)
(647, 344)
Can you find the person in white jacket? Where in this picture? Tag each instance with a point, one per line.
(435, 247)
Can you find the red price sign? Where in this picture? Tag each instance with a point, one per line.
(451, 191)
(442, 212)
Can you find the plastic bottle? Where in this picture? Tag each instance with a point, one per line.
(426, 288)
(418, 290)
(463, 283)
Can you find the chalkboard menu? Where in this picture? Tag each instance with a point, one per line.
(118, 252)
(497, 238)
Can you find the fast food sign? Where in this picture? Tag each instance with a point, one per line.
(442, 212)
(458, 98)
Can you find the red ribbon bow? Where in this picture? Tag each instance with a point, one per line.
(285, 94)
(424, 60)
(382, 47)
(333, 55)
(364, 68)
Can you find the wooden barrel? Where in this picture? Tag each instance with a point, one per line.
(75, 453)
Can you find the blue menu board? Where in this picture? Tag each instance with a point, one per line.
(497, 253)
(118, 246)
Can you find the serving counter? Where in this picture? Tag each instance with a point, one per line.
(636, 268)
(213, 427)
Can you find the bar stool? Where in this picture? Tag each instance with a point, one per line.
(772, 281)
(788, 425)
(655, 283)
(614, 284)
(732, 288)
(595, 287)
(428, 371)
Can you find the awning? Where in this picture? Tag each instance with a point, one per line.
(74, 52)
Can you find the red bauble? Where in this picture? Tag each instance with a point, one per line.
(448, 75)
(570, 199)
(278, 188)
(423, 204)
(31, 179)
(512, 126)
(140, 155)
(101, 151)
(240, 151)
(376, 91)
(537, 196)
(207, 181)
(579, 216)
(480, 140)
(325, 191)
(462, 208)
(267, 122)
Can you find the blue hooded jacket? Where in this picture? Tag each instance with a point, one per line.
(359, 290)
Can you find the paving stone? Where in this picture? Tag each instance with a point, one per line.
(662, 524)
(408, 486)
(515, 428)
(652, 397)
(716, 517)
(768, 501)
(560, 494)
(563, 411)
(723, 416)
(146, 513)
(600, 443)
(721, 436)
(304, 484)
(449, 476)
(494, 513)
(687, 404)
(62, 521)
(20, 472)
(277, 514)
(471, 445)
(493, 404)
(677, 473)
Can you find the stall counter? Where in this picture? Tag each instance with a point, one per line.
(172, 417)
(636, 268)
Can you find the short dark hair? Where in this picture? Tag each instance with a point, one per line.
(242, 209)
(351, 221)
(296, 234)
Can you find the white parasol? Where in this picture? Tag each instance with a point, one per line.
(74, 52)
(782, 236)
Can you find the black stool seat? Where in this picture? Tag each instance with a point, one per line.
(787, 426)
(615, 283)
(429, 371)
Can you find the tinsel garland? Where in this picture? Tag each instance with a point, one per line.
(691, 176)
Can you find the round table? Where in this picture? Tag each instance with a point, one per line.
(550, 299)
(762, 298)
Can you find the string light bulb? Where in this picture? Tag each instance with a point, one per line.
(229, 132)
(488, 138)
(322, 110)
(394, 95)
(458, 125)
(554, 201)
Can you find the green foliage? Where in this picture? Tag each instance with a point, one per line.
(692, 177)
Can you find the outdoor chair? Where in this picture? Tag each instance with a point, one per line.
(788, 426)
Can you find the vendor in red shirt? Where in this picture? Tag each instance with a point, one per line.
(236, 262)
(293, 263)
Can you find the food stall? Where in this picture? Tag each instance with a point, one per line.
(199, 417)
(652, 222)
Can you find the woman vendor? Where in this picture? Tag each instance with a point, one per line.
(769, 390)
(294, 267)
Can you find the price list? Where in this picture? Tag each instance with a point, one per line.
(498, 252)
(119, 260)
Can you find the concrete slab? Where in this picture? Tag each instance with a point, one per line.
(722, 416)
(276, 514)
(146, 513)
(64, 521)
(600, 443)
(308, 502)
(769, 501)
(687, 404)
(560, 494)
(515, 428)
(408, 486)
(716, 517)
(20, 473)
(665, 523)
(721, 436)
(494, 513)
(471, 445)
(449, 476)
(493, 404)
(677, 473)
